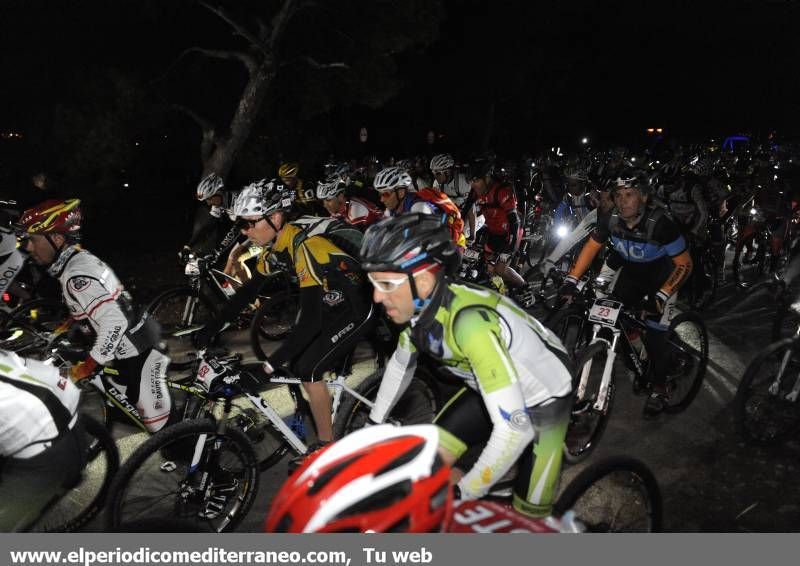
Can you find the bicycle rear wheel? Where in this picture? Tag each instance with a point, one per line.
(274, 320)
(761, 411)
(179, 311)
(158, 480)
(587, 424)
(419, 404)
(78, 506)
(617, 495)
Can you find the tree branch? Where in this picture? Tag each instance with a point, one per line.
(245, 58)
(205, 125)
(279, 22)
(316, 64)
(237, 26)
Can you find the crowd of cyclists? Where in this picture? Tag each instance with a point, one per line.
(394, 235)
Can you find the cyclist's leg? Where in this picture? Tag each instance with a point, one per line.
(344, 328)
(29, 484)
(143, 379)
(540, 464)
(463, 422)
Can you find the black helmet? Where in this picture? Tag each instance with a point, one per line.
(405, 243)
(482, 166)
(630, 178)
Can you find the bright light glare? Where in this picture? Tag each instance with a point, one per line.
(561, 231)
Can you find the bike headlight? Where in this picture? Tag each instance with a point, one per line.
(753, 212)
(562, 231)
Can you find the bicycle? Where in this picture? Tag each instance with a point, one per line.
(155, 477)
(765, 407)
(754, 258)
(595, 385)
(79, 503)
(701, 288)
(614, 495)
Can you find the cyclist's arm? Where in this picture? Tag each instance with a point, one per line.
(245, 295)
(508, 202)
(681, 260)
(702, 209)
(101, 306)
(477, 334)
(396, 378)
(570, 240)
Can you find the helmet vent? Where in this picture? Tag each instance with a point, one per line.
(325, 477)
(379, 500)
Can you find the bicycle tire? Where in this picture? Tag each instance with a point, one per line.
(744, 277)
(683, 393)
(786, 321)
(169, 309)
(149, 469)
(572, 327)
(587, 425)
(273, 321)
(594, 496)
(762, 417)
(78, 506)
(352, 413)
(40, 315)
(269, 445)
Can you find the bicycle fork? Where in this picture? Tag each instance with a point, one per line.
(601, 403)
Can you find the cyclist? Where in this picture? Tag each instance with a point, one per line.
(604, 203)
(394, 186)
(11, 260)
(516, 373)
(209, 224)
(42, 449)
(335, 311)
(93, 293)
(498, 205)
(653, 261)
(304, 197)
(388, 479)
(455, 185)
(682, 194)
(353, 210)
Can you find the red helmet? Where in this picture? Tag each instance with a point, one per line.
(53, 217)
(378, 479)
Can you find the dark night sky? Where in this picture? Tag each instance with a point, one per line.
(555, 69)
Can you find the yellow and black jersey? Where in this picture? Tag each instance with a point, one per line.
(316, 261)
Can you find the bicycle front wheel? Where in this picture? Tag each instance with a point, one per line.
(688, 344)
(763, 409)
(617, 495)
(586, 423)
(160, 480)
(419, 404)
(78, 506)
(179, 311)
(751, 260)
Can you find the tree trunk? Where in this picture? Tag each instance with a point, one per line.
(224, 154)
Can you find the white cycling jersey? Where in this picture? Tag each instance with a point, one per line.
(457, 189)
(11, 260)
(93, 292)
(569, 241)
(36, 405)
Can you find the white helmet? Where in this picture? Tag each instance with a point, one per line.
(262, 198)
(209, 186)
(391, 178)
(442, 162)
(330, 187)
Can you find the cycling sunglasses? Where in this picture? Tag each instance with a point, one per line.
(387, 286)
(243, 224)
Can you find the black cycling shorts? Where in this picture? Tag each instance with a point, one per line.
(342, 329)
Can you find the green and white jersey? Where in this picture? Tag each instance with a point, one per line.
(498, 350)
